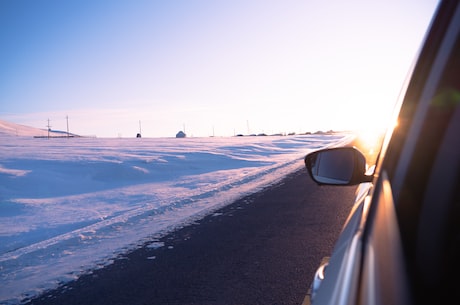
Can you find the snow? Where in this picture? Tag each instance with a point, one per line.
(72, 205)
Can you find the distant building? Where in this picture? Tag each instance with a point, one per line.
(181, 134)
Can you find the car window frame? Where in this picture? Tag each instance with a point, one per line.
(397, 155)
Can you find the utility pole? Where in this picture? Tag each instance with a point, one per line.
(49, 128)
(140, 130)
(67, 118)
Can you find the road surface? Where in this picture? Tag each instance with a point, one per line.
(262, 249)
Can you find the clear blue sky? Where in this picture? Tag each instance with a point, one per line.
(209, 66)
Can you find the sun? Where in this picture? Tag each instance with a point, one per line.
(369, 142)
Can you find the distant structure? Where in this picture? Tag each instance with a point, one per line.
(49, 128)
(67, 118)
(181, 134)
(140, 131)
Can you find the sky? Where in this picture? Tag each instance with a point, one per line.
(69, 206)
(206, 67)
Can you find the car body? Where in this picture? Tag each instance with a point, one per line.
(401, 242)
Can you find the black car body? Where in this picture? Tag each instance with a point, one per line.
(401, 242)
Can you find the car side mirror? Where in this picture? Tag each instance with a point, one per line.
(337, 166)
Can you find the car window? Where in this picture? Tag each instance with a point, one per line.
(427, 198)
(422, 163)
(438, 243)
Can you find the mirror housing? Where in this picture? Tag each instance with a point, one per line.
(337, 166)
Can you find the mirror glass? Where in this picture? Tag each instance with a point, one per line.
(333, 166)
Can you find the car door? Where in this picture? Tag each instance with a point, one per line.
(411, 241)
(401, 244)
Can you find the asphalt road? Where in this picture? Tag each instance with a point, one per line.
(262, 249)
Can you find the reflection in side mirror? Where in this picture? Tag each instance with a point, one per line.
(337, 166)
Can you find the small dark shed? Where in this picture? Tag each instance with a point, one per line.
(181, 134)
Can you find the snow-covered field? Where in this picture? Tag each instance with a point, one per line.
(69, 206)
